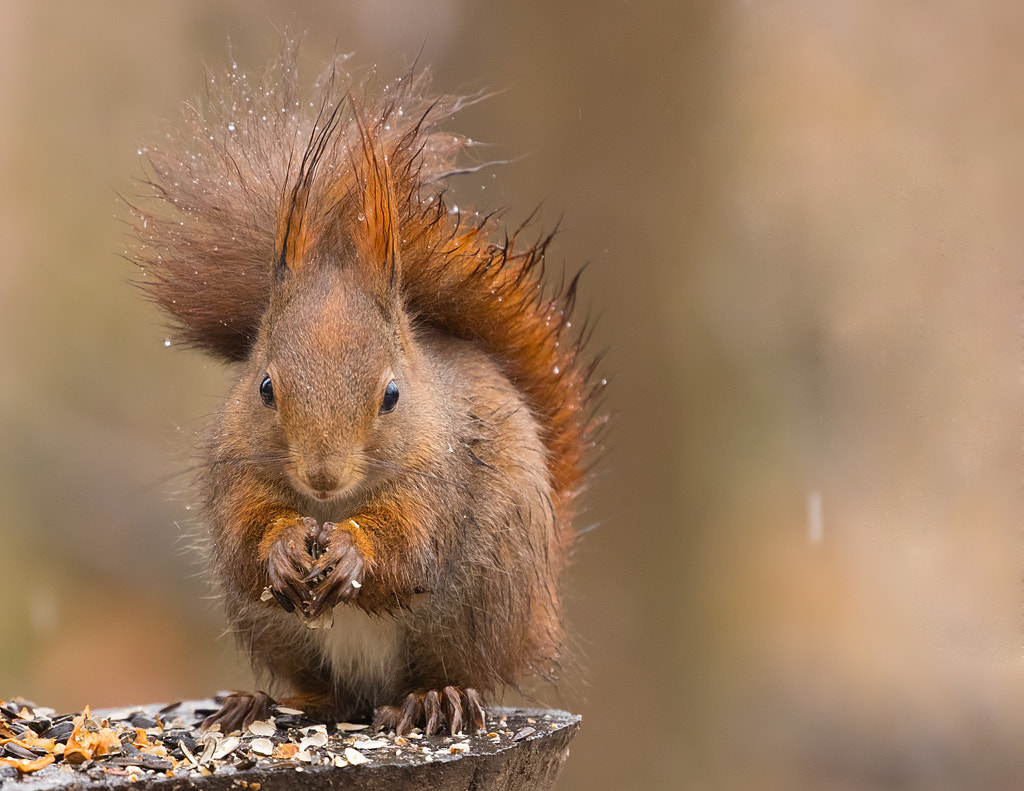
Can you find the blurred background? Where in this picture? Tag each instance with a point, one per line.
(803, 221)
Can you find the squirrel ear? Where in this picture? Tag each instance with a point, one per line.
(376, 228)
(311, 209)
(295, 237)
(292, 239)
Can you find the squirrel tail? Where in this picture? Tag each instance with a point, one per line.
(259, 175)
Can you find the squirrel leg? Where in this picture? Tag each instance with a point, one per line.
(433, 710)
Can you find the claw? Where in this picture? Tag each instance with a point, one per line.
(412, 713)
(239, 710)
(385, 718)
(432, 711)
(284, 601)
(337, 574)
(452, 707)
(318, 571)
(474, 708)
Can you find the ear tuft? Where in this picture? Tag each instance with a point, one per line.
(296, 224)
(376, 230)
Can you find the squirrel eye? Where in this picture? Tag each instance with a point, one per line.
(390, 400)
(267, 392)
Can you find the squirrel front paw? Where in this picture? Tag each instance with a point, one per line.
(291, 553)
(313, 567)
(337, 574)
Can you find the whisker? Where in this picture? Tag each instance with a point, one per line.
(389, 465)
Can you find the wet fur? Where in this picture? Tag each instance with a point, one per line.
(267, 207)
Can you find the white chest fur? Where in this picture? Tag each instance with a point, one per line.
(362, 649)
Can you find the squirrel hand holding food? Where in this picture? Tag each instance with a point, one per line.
(389, 487)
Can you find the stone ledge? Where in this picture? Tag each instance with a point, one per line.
(518, 749)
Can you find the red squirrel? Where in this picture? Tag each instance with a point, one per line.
(391, 483)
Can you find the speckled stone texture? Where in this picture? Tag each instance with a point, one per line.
(518, 749)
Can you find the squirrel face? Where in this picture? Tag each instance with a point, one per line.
(334, 384)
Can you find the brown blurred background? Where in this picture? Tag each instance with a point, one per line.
(804, 223)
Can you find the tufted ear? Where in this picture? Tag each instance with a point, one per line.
(300, 221)
(328, 209)
(292, 240)
(375, 233)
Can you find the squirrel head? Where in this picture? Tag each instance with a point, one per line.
(335, 379)
(258, 232)
(336, 362)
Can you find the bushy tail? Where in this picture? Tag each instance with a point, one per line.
(258, 157)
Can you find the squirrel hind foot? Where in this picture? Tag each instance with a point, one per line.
(434, 710)
(239, 710)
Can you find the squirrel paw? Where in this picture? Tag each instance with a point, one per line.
(434, 710)
(289, 560)
(337, 574)
(239, 710)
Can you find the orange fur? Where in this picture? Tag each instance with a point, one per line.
(257, 209)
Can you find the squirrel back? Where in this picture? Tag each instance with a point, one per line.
(262, 175)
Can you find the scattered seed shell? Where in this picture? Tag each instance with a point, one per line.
(262, 728)
(315, 739)
(225, 747)
(354, 757)
(137, 744)
(187, 753)
(262, 746)
(323, 621)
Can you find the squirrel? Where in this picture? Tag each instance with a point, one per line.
(390, 486)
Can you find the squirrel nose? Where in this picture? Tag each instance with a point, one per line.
(322, 481)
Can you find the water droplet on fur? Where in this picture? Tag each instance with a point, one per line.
(167, 341)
